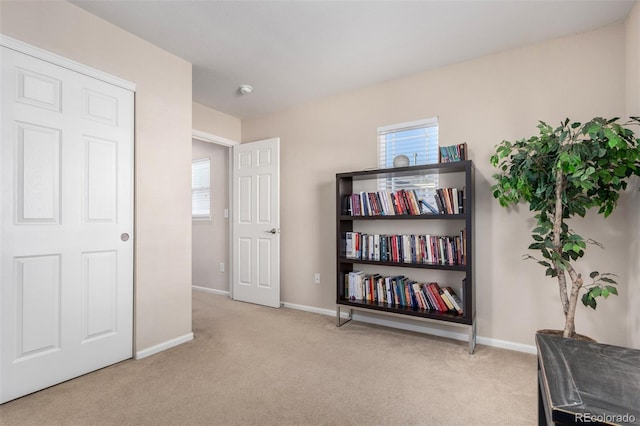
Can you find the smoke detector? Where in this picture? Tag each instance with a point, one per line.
(245, 89)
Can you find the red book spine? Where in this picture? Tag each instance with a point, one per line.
(435, 290)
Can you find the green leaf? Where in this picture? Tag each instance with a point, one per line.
(541, 230)
(588, 300)
(612, 290)
(585, 299)
(593, 274)
(620, 171)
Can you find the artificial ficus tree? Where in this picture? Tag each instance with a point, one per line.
(561, 173)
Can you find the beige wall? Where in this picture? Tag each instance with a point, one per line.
(480, 102)
(216, 123)
(633, 109)
(210, 242)
(162, 153)
(497, 97)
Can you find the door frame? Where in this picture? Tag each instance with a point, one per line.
(219, 140)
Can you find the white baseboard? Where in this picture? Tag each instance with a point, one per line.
(312, 309)
(163, 346)
(505, 344)
(210, 290)
(414, 326)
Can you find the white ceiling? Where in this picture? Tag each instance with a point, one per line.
(296, 51)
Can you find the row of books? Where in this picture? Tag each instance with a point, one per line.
(385, 203)
(450, 200)
(452, 153)
(403, 202)
(426, 249)
(401, 291)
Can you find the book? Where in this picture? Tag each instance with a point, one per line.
(447, 302)
(407, 292)
(435, 289)
(346, 287)
(428, 298)
(432, 296)
(389, 290)
(454, 297)
(418, 295)
(453, 153)
(349, 252)
(453, 301)
(454, 199)
(446, 196)
(413, 199)
(440, 201)
(429, 208)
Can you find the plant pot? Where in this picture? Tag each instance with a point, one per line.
(559, 333)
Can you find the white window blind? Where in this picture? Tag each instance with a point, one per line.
(200, 188)
(418, 140)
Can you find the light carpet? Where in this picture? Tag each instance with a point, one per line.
(253, 365)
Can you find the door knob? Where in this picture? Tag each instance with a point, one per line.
(124, 236)
(272, 231)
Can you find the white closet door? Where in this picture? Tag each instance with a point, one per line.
(66, 263)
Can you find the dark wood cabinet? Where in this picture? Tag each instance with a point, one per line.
(458, 276)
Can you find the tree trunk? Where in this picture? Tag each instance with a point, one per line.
(562, 284)
(557, 247)
(576, 285)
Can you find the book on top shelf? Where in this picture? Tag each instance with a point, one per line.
(453, 153)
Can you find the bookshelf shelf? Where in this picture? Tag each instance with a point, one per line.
(405, 310)
(405, 264)
(421, 227)
(405, 217)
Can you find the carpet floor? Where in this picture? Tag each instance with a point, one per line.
(253, 365)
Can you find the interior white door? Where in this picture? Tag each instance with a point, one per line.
(256, 222)
(66, 262)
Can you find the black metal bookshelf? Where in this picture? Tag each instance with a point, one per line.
(345, 223)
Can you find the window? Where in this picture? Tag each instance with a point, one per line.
(418, 141)
(200, 189)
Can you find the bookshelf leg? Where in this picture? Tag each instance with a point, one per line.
(339, 322)
(472, 338)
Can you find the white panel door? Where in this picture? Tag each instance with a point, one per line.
(66, 246)
(256, 222)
